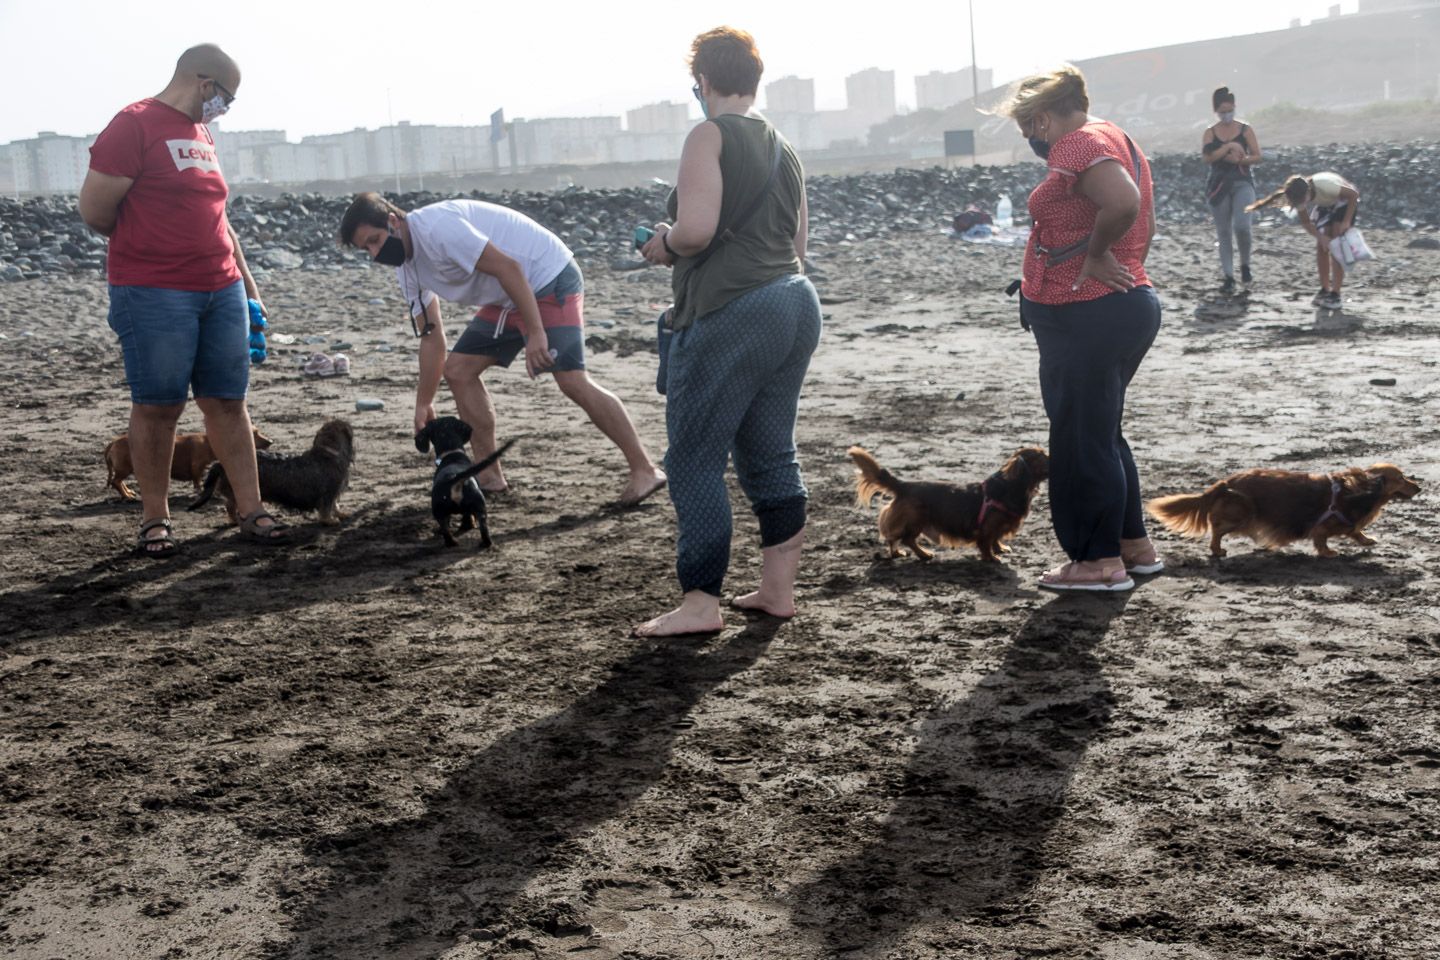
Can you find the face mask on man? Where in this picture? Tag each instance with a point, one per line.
(216, 107)
(391, 252)
(213, 109)
(1226, 116)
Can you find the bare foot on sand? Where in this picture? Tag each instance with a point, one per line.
(778, 566)
(699, 612)
(642, 484)
(782, 607)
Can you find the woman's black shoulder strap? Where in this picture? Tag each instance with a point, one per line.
(743, 217)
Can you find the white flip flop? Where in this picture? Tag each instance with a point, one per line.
(1146, 569)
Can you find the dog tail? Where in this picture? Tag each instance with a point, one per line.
(212, 477)
(476, 468)
(871, 478)
(1188, 513)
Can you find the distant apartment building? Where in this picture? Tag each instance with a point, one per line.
(667, 117)
(870, 94)
(50, 163)
(562, 140)
(803, 130)
(229, 140)
(630, 147)
(939, 89)
(790, 95)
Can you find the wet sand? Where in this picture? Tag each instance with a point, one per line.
(368, 745)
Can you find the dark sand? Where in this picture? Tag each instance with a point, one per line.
(371, 746)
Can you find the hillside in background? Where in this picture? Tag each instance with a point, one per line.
(1369, 76)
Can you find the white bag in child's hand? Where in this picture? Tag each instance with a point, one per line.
(1350, 247)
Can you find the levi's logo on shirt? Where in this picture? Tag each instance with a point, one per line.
(193, 153)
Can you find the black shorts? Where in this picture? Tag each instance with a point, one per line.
(1324, 216)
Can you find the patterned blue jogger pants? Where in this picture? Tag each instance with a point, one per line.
(732, 387)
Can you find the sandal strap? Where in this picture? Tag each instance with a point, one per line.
(250, 523)
(149, 525)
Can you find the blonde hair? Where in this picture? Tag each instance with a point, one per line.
(1060, 91)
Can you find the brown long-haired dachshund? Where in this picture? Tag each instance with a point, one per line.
(1276, 507)
(951, 515)
(189, 461)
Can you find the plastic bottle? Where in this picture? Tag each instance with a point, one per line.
(1004, 213)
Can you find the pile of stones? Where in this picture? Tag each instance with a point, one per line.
(297, 231)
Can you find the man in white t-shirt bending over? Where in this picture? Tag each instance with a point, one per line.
(531, 298)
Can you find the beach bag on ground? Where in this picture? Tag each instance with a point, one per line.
(971, 216)
(1350, 248)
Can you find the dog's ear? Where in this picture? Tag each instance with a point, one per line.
(465, 432)
(422, 440)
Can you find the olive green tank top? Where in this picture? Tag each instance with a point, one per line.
(763, 249)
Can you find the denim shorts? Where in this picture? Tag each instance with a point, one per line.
(176, 341)
(499, 333)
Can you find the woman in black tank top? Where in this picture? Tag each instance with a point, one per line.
(1232, 150)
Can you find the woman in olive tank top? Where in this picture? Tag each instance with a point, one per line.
(745, 323)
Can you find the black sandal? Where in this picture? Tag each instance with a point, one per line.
(157, 548)
(275, 534)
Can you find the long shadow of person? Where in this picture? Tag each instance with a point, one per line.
(987, 783)
(378, 546)
(408, 889)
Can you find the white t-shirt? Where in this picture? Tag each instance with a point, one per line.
(449, 236)
(1327, 188)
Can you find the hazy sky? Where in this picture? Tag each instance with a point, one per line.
(314, 67)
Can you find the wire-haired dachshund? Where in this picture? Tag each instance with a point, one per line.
(312, 480)
(454, 489)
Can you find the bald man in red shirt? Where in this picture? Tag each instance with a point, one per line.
(178, 286)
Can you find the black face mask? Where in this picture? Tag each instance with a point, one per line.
(1041, 148)
(391, 252)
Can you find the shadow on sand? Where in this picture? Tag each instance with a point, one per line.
(970, 819)
(408, 889)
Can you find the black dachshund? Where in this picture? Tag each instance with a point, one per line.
(454, 489)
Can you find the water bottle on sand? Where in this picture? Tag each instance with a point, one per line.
(1004, 213)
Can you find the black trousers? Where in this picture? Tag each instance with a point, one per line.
(1089, 352)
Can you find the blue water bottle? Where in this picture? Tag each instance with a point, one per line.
(258, 325)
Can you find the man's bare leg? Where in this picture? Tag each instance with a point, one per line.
(152, 446)
(607, 412)
(778, 566)
(464, 374)
(699, 612)
(227, 424)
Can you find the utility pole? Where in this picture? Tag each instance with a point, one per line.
(974, 86)
(394, 147)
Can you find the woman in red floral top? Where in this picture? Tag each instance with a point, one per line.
(1087, 299)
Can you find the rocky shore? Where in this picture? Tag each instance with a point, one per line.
(45, 235)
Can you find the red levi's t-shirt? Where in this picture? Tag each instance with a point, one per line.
(1064, 216)
(170, 229)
